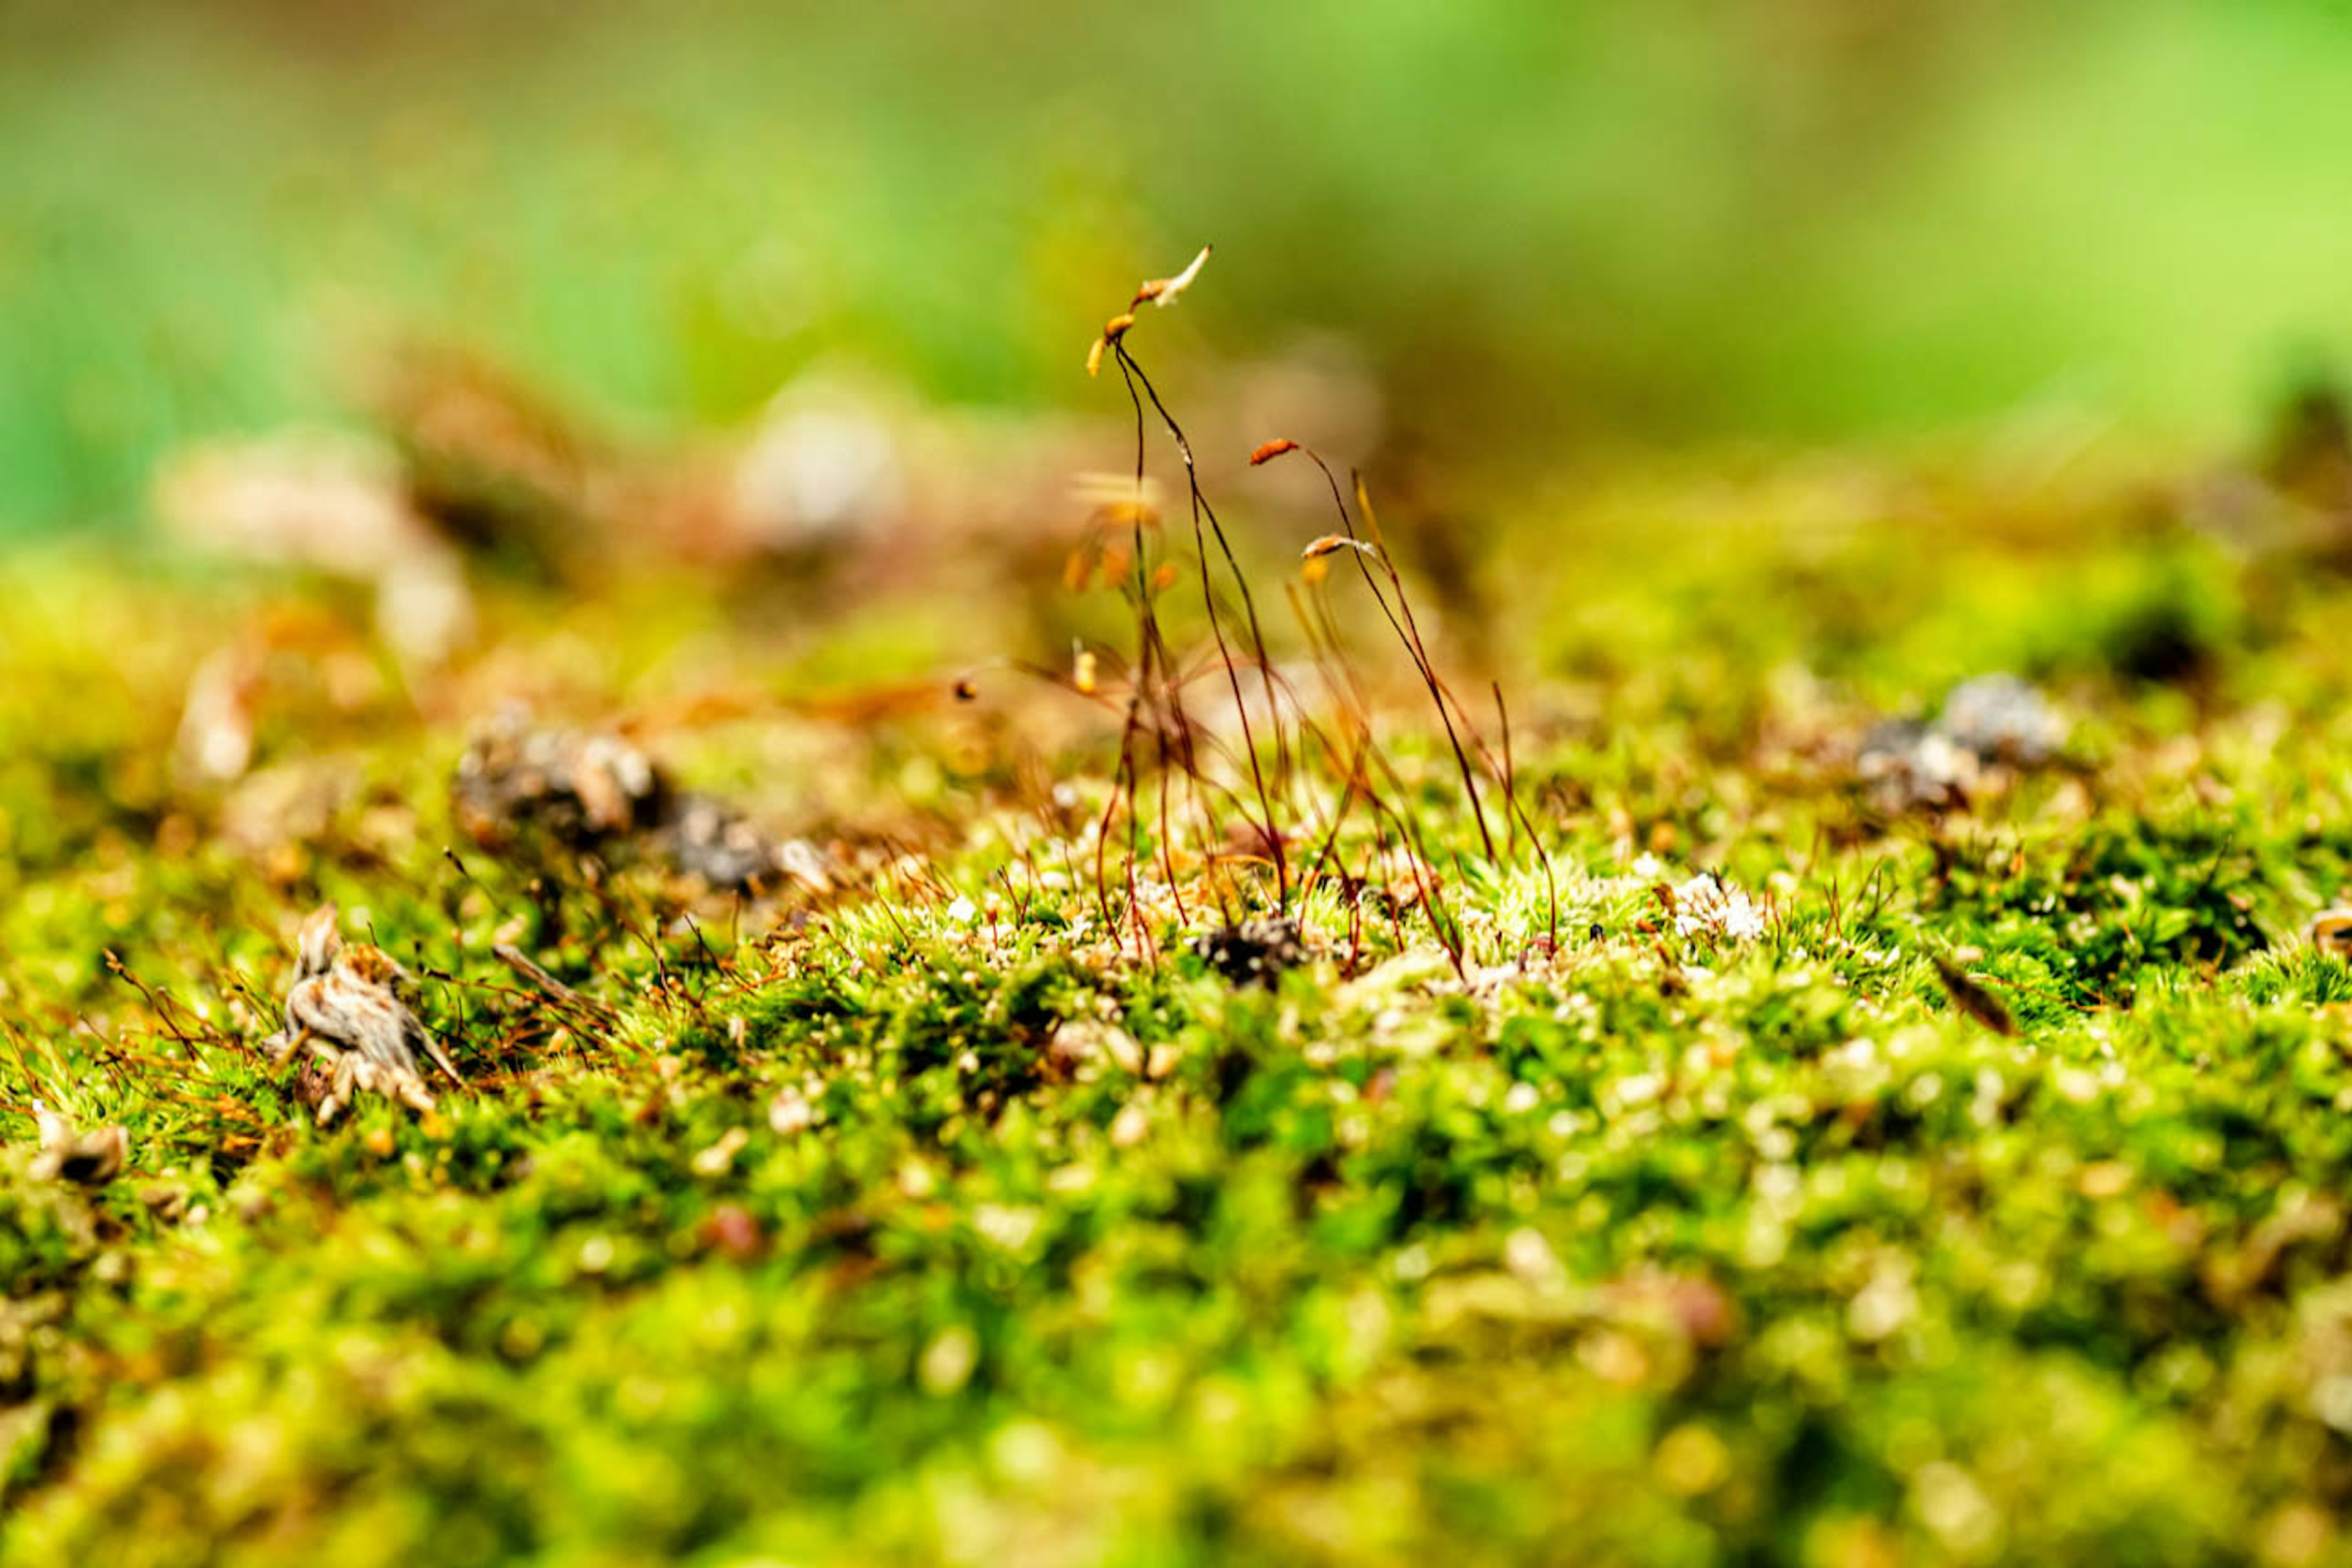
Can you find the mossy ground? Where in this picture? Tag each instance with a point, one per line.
(924, 1223)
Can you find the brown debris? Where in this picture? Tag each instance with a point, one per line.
(1253, 951)
(523, 790)
(353, 1007)
(576, 788)
(1991, 728)
(89, 1159)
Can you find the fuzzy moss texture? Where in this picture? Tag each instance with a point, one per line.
(923, 1221)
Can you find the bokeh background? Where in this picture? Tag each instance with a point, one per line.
(1545, 231)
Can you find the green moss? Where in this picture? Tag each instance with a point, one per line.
(892, 1227)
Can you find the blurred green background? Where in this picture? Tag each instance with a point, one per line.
(1551, 230)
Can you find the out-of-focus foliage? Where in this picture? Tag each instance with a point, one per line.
(1549, 223)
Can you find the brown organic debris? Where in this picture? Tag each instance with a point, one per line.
(353, 1007)
(576, 788)
(1991, 728)
(1253, 951)
(528, 791)
(90, 1159)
